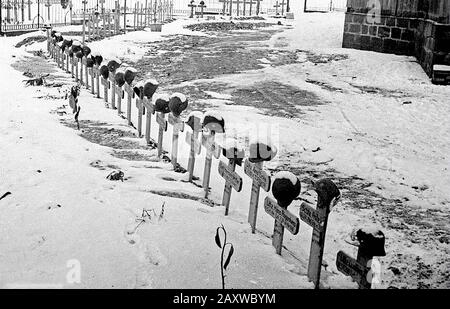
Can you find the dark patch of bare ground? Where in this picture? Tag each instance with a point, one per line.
(429, 229)
(272, 98)
(185, 58)
(31, 40)
(124, 143)
(35, 65)
(184, 196)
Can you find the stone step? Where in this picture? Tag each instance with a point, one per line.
(441, 74)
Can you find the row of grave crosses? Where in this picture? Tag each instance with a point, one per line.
(104, 24)
(253, 6)
(284, 191)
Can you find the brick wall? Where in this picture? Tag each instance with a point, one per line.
(405, 27)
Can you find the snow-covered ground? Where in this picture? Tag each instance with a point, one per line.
(383, 122)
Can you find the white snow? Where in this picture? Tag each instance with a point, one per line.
(286, 175)
(162, 96)
(197, 114)
(213, 114)
(180, 96)
(375, 136)
(151, 81)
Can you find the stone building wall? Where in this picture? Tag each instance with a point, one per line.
(407, 27)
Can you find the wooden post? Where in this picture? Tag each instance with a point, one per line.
(195, 147)
(192, 6)
(276, 6)
(282, 7)
(258, 6)
(106, 86)
(83, 71)
(237, 7)
(96, 76)
(63, 59)
(211, 149)
(260, 179)
(67, 59)
(162, 122)
(76, 68)
(177, 127)
(370, 245)
(317, 218)
(120, 94)
(130, 95)
(135, 16)
(102, 3)
(150, 110)
(92, 72)
(112, 83)
(283, 219)
(146, 14)
(225, 2)
(232, 180)
(72, 65)
(202, 7)
(140, 107)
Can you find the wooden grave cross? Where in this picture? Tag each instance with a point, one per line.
(360, 269)
(283, 4)
(162, 122)
(192, 140)
(283, 219)
(211, 149)
(192, 5)
(260, 179)
(177, 127)
(276, 6)
(130, 95)
(202, 6)
(317, 218)
(120, 94)
(232, 181)
(147, 102)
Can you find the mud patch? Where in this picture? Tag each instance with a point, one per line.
(184, 196)
(322, 58)
(103, 166)
(99, 133)
(35, 65)
(276, 99)
(325, 86)
(227, 26)
(134, 156)
(380, 91)
(185, 58)
(30, 40)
